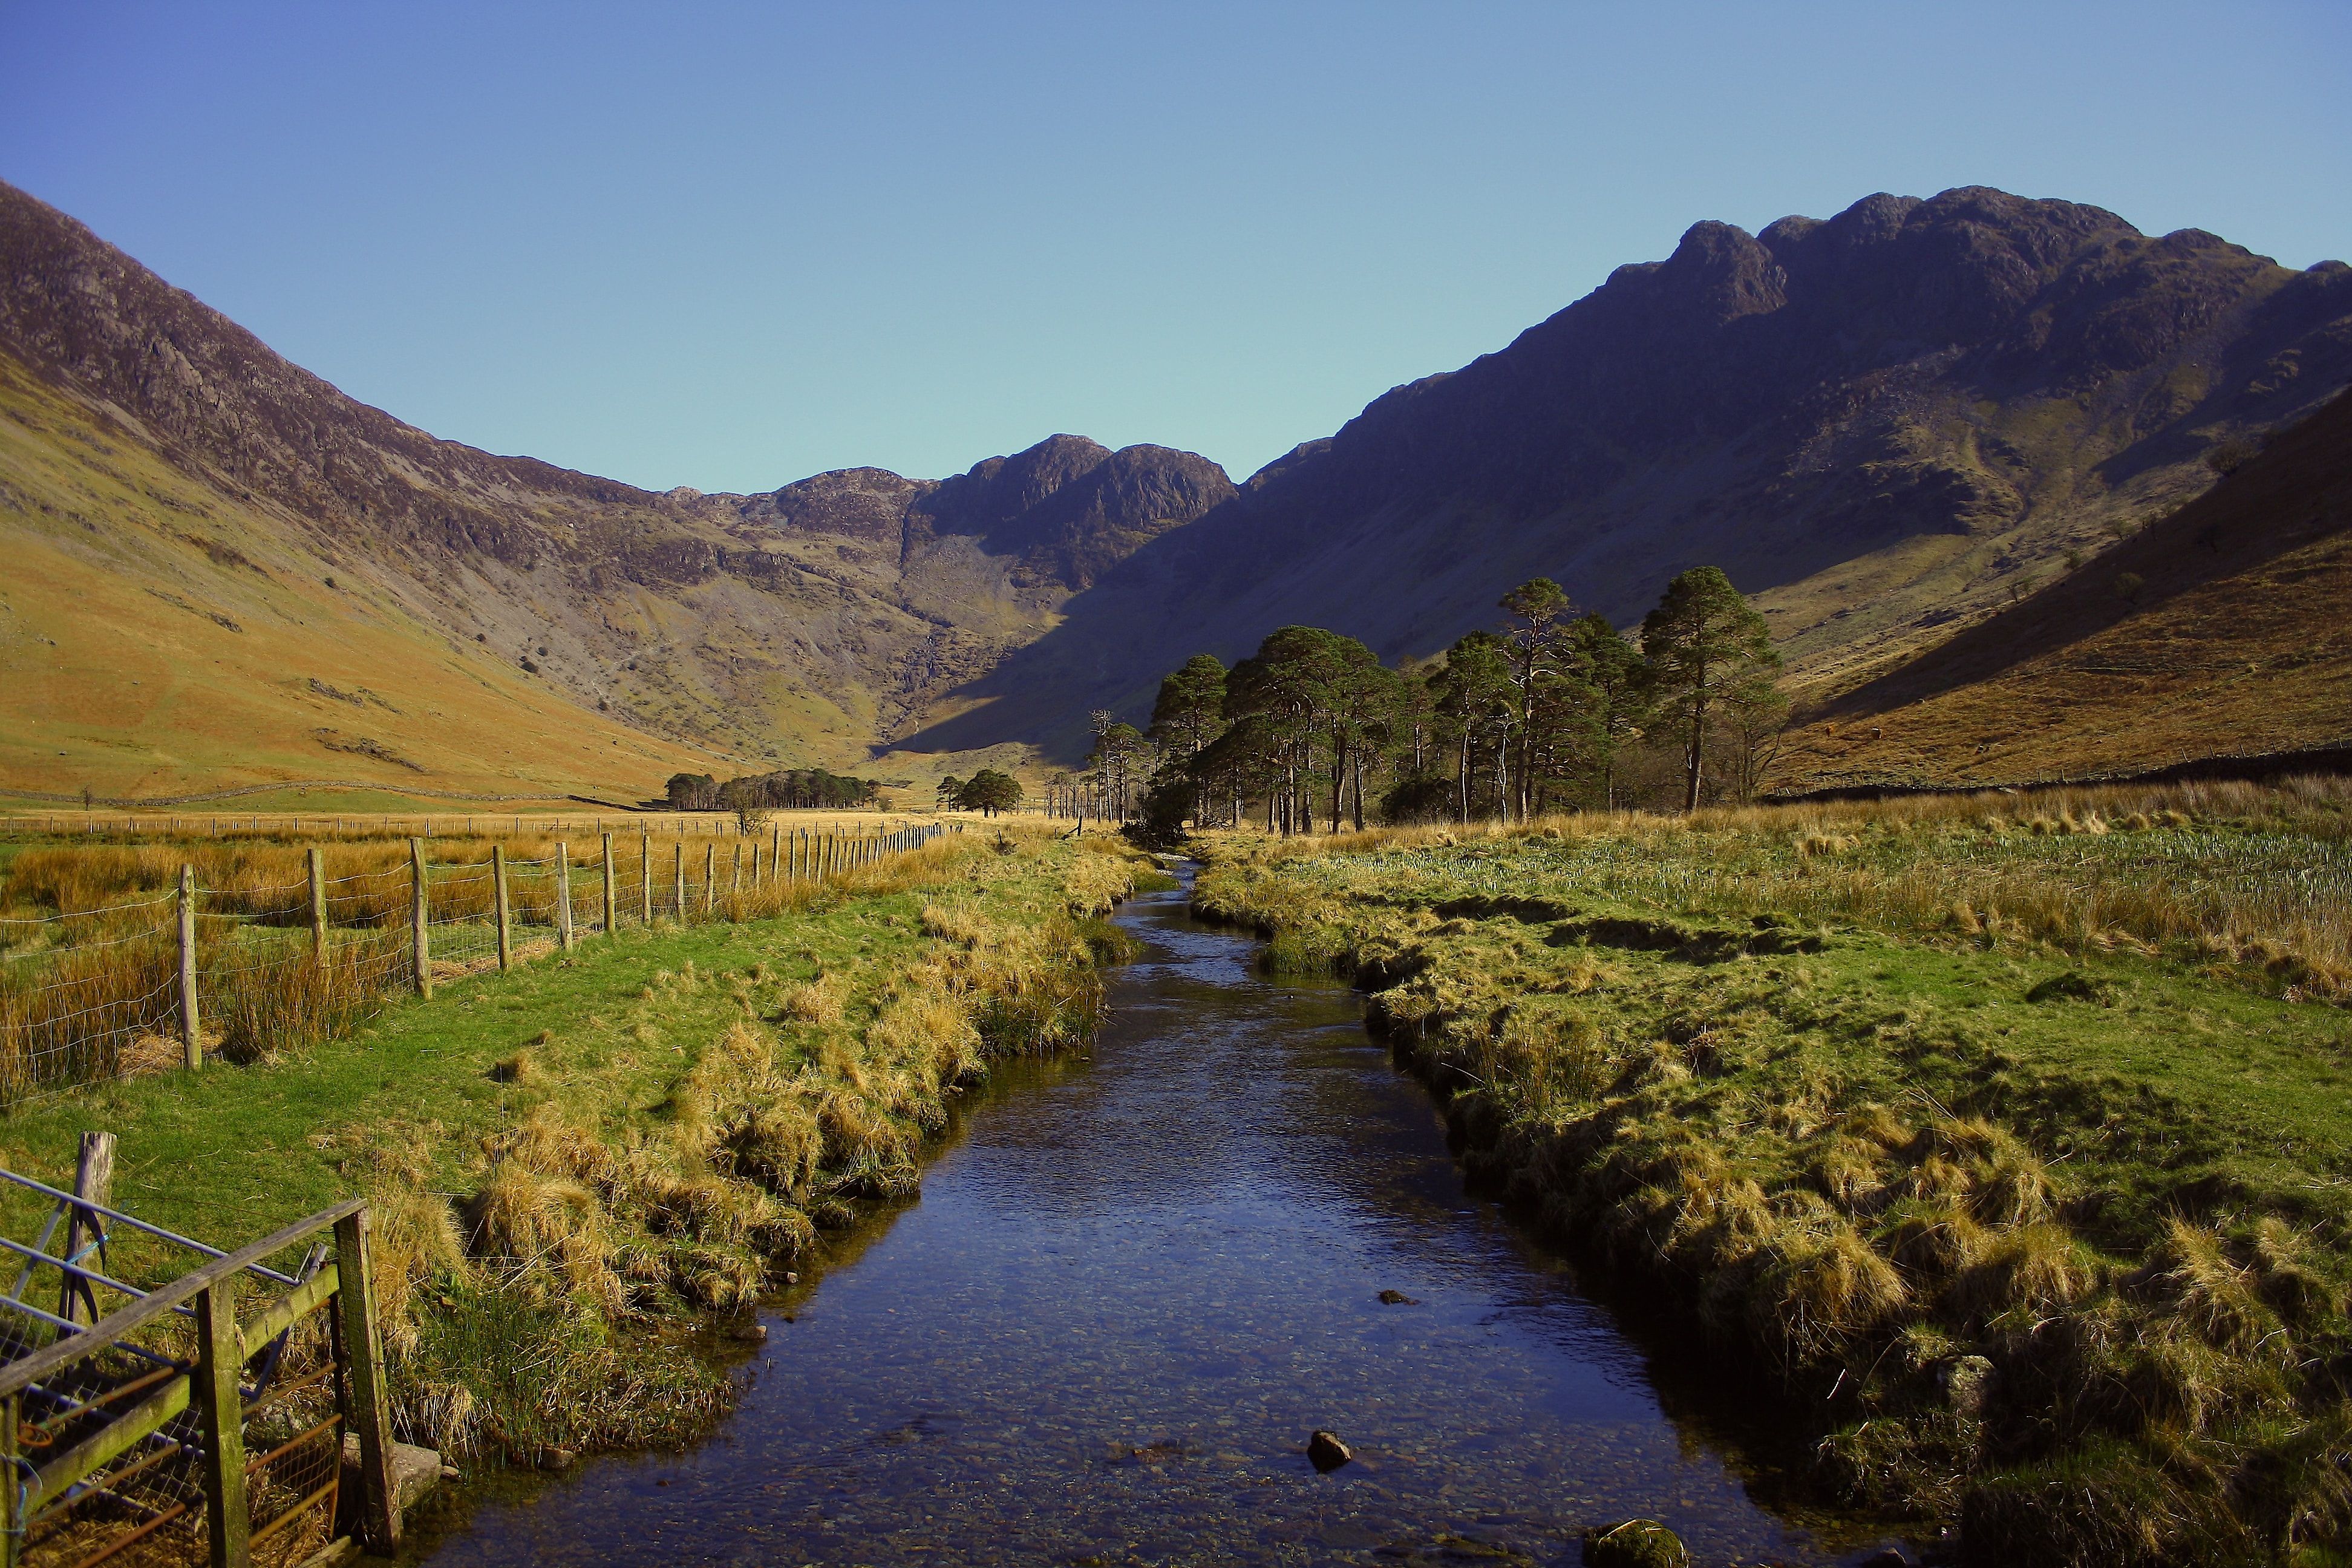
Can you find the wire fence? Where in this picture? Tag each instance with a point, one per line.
(239, 962)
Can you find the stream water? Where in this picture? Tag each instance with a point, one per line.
(1133, 1285)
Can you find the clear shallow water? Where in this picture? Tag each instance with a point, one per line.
(1131, 1287)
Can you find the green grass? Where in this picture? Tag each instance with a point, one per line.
(2007, 1208)
(577, 1165)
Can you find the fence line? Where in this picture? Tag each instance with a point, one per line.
(247, 972)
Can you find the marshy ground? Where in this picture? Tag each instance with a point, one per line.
(2003, 1134)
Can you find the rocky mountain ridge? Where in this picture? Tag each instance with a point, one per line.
(801, 625)
(1884, 425)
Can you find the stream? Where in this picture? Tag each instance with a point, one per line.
(1134, 1283)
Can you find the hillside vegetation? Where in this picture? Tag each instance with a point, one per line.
(2220, 630)
(2001, 1136)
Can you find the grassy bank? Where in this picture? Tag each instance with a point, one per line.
(2002, 1137)
(584, 1166)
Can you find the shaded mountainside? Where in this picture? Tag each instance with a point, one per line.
(1887, 425)
(2222, 629)
(149, 438)
(1881, 425)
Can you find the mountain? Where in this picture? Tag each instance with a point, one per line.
(2218, 630)
(1887, 427)
(1879, 424)
(156, 453)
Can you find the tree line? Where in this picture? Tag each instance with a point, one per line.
(801, 787)
(1542, 712)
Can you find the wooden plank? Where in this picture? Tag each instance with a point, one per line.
(290, 1309)
(107, 1443)
(123, 1320)
(93, 1180)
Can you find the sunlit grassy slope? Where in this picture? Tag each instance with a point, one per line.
(158, 636)
(2224, 628)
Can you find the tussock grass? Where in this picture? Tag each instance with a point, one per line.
(576, 1166)
(2004, 1131)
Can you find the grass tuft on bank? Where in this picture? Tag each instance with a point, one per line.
(2003, 1136)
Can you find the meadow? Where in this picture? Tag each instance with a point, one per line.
(583, 1168)
(1999, 1137)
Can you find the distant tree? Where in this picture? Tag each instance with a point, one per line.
(2232, 455)
(1118, 759)
(1706, 649)
(692, 792)
(990, 791)
(2128, 585)
(1472, 695)
(1545, 685)
(950, 788)
(1189, 711)
(747, 799)
(1620, 689)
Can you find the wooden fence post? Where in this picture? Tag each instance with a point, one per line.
(362, 1337)
(646, 878)
(499, 898)
(611, 915)
(735, 888)
(220, 1410)
(318, 906)
(775, 850)
(710, 878)
(678, 881)
(563, 895)
(191, 1045)
(420, 918)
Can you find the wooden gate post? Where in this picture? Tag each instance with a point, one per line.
(563, 895)
(678, 879)
(499, 898)
(420, 918)
(612, 914)
(362, 1337)
(191, 1045)
(646, 878)
(709, 878)
(220, 1411)
(318, 906)
(735, 888)
(775, 850)
(93, 1181)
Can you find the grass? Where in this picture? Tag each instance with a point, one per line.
(577, 1167)
(94, 995)
(2013, 1158)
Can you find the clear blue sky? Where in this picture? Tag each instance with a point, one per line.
(732, 246)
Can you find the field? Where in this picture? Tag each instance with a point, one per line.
(2002, 1137)
(581, 1166)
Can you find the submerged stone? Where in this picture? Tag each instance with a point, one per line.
(1397, 1298)
(1326, 1452)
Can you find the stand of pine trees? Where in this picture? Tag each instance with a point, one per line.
(1548, 710)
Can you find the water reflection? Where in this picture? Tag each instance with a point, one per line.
(1130, 1289)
